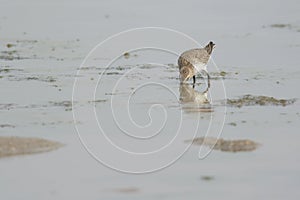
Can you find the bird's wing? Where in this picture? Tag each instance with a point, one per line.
(183, 62)
(193, 56)
(186, 58)
(201, 55)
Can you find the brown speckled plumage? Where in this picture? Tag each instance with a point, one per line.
(195, 55)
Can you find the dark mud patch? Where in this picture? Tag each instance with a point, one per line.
(7, 106)
(98, 101)
(11, 146)
(284, 26)
(89, 68)
(250, 100)
(281, 25)
(225, 145)
(207, 178)
(55, 123)
(116, 93)
(113, 73)
(219, 74)
(11, 55)
(27, 41)
(128, 55)
(146, 66)
(9, 45)
(100, 69)
(127, 190)
(67, 105)
(232, 124)
(125, 67)
(7, 126)
(48, 79)
(33, 49)
(6, 70)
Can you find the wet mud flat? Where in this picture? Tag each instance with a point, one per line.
(242, 145)
(260, 141)
(12, 146)
(250, 100)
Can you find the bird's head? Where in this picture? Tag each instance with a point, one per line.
(209, 47)
(185, 73)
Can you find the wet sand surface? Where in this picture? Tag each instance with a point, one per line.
(255, 157)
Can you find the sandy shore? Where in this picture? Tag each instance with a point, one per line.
(11, 146)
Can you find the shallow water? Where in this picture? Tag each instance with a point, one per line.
(36, 82)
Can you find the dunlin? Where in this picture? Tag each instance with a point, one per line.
(194, 61)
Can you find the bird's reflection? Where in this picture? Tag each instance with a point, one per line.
(193, 100)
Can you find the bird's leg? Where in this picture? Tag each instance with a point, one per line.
(194, 81)
(208, 79)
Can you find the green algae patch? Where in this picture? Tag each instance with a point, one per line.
(251, 100)
(12, 146)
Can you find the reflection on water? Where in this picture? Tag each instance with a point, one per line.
(193, 100)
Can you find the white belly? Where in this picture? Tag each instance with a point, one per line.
(200, 66)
